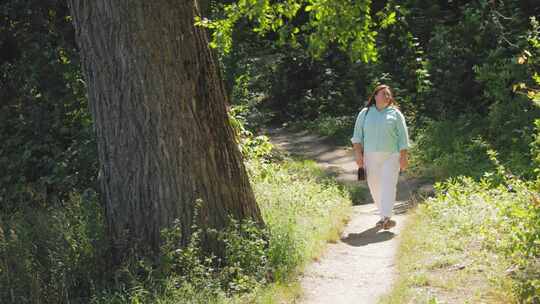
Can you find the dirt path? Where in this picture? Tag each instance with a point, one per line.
(360, 267)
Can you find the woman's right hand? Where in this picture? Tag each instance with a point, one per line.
(359, 155)
(360, 161)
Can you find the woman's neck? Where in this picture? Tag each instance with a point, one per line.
(382, 105)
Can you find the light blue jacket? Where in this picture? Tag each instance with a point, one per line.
(384, 131)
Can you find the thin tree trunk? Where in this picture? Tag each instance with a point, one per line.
(162, 130)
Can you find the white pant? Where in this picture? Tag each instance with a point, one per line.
(382, 170)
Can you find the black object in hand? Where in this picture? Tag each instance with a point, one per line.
(361, 174)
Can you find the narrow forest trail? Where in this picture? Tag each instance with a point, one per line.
(360, 267)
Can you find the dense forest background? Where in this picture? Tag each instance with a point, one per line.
(465, 74)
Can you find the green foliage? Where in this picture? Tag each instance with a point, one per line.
(348, 24)
(53, 255)
(53, 247)
(450, 148)
(511, 116)
(535, 151)
(506, 211)
(48, 147)
(489, 228)
(461, 40)
(244, 266)
(246, 255)
(296, 228)
(251, 146)
(456, 146)
(516, 230)
(309, 89)
(301, 209)
(344, 23)
(444, 252)
(529, 57)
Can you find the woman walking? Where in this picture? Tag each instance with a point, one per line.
(381, 142)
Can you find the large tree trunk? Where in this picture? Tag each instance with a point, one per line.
(162, 130)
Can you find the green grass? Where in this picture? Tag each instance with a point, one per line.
(303, 209)
(436, 266)
(458, 246)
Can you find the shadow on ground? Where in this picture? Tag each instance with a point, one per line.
(369, 236)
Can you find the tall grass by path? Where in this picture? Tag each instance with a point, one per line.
(298, 201)
(475, 242)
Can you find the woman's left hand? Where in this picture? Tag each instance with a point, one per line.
(403, 163)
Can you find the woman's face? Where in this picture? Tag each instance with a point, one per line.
(382, 96)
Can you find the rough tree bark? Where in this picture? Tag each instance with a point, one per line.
(162, 129)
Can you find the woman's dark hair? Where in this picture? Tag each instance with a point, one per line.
(389, 95)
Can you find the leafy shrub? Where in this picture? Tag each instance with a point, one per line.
(505, 210)
(301, 209)
(251, 146)
(246, 255)
(516, 230)
(53, 255)
(450, 148)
